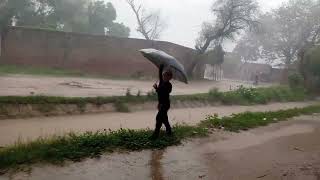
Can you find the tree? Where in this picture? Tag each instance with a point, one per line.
(294, 25)
(251, 45)
(247, 47)
(150, 24)
(5, 14)
(118, 30)
(102, 15)
(284, 32)
(93, 16)
(10, 9)
(309, 67)
(70, 15)
(35, 13)
(232, 16)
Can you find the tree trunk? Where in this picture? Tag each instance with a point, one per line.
(192, 67)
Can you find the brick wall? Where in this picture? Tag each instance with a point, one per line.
(87, 53)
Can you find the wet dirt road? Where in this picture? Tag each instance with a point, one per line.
(284, 151)
(30, 129)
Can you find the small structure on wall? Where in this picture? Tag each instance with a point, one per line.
(211, 64)
(252, 71)
(213, 72)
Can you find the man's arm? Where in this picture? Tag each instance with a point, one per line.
(160, 73)
(169, 88)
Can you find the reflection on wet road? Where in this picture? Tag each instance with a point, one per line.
(155, 163)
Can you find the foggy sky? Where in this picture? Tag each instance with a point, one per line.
(184, 17)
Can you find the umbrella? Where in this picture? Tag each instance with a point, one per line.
(158, 58)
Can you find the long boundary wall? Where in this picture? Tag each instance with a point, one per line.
(82, 52)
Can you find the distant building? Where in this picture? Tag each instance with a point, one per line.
(248, 71)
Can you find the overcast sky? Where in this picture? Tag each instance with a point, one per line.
(184, 17)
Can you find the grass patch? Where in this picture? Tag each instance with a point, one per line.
(248, 120)
(248, 96)
(75, 147)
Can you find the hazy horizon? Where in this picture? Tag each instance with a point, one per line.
(184, 24)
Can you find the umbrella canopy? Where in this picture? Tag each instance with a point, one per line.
(158, 58)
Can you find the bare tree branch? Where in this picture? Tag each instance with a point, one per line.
(150, 25)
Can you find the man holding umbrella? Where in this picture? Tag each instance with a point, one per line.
(169, 68)
(163, 90)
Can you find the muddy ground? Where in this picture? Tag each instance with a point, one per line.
(24, 85)
(287, 150)
(284, 151)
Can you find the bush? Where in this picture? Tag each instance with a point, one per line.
(152, 93)
(247, 93)
(139, 93)
(295, 81)
(214, 94)
(128, 93)
(230, 98)
(121, 107)
(245, 96)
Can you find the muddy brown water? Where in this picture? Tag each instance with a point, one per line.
(284, 151)
(13, 130)
(22, 85)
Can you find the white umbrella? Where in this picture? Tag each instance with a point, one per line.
(158, 58)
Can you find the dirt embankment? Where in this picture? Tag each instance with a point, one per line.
(13, 111)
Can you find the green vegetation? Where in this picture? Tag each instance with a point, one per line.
(121, 107)
(313, 56)
(241, 96)
(247, 96)
(46, 108)
(3, 110)
(263, 95)
(248, 120)
(80, 16)
(310, 69)
(75, 147)
(295, 80)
